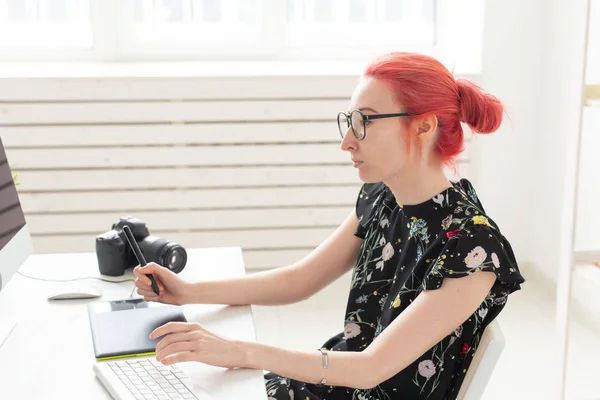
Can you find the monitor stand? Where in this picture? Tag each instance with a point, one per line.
(6, 327)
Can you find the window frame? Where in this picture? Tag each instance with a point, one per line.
(111, 43)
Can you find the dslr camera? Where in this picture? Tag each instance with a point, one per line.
(115, 255)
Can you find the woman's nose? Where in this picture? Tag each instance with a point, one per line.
(348, 141)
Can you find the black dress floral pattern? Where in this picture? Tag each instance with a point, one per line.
(408, 249)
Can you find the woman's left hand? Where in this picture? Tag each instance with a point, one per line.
(186, 341)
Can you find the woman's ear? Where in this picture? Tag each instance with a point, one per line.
(424, 128)
(427, 126)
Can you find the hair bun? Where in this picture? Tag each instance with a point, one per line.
(478, 109)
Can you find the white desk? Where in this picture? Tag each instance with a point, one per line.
(49, 354)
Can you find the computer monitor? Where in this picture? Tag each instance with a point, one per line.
(15, 240)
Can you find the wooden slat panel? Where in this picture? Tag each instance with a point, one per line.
(100, 157)
(177, 156)
(267, 259)
(171, 111)
(247, 239)
(136, 201)
(169, 134)
(189, 88)
(164, 178)
(191, 220)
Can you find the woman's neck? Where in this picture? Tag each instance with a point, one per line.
(418, 187)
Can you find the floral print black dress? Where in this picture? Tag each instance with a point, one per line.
(408, 249)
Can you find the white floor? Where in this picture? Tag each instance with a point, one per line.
(524, 370)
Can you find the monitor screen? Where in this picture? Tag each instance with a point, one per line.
(15, 243)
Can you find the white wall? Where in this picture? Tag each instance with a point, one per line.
(588, 219)
(562, 88)
(588, 214)
(511, 65)
(533, 53)
(533, 60)
(593, 68)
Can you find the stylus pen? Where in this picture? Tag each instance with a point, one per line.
(139, 255)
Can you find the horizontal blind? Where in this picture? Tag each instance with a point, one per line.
(206, 162)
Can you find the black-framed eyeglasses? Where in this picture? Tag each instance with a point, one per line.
(359, 121)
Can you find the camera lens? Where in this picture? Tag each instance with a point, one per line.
(164, 252)
(174, 257)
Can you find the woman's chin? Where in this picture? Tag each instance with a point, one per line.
(367, 177)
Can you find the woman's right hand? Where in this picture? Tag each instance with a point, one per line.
(171, 288)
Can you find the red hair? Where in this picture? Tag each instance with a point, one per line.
(423, 86)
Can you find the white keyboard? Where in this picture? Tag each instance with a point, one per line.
(144, 379)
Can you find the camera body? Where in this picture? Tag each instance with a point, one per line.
(115, 255)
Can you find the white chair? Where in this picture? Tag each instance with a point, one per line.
(483, 363)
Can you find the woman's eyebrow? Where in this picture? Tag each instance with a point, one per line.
(367, 109)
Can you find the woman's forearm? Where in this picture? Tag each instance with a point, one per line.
(273, 287)
(345, 368)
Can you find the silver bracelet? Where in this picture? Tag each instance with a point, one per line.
(325, 363)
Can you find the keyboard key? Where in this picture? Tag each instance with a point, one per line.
(189, 396)
(180, 374)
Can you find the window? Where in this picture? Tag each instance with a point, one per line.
(191, 27)
(236, 29)
(34, 25)
(354, 25)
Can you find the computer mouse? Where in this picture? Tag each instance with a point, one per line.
(73, 291)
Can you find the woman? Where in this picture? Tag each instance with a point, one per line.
(430, 269)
